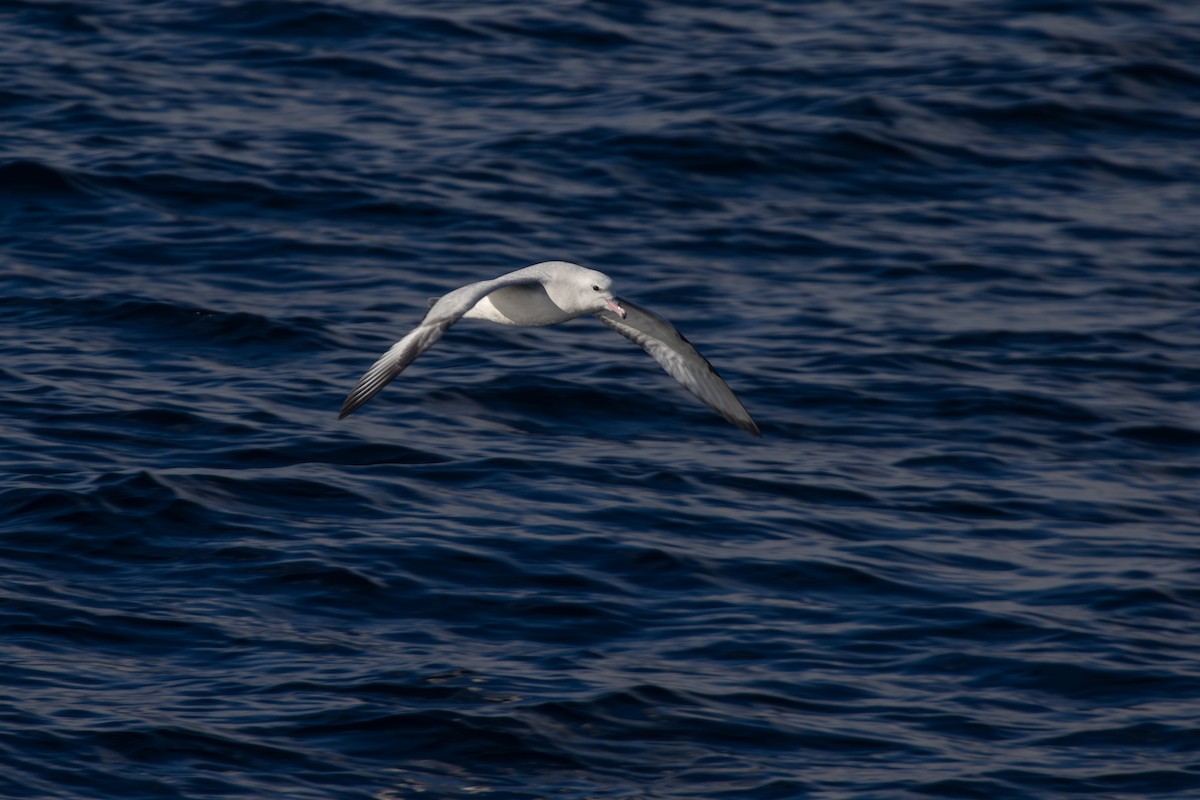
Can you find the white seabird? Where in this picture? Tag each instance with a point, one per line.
(545, 294)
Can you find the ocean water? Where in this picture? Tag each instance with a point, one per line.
(946, 253)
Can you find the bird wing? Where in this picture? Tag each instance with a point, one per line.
(682, 362)
(443, 312)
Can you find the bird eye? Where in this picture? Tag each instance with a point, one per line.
(595, 288)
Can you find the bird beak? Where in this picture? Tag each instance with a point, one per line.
(615, 308)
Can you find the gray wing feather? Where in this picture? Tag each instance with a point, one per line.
(443, 312)
(682, 362)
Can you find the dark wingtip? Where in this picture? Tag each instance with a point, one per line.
(749, 426)
(349, 406)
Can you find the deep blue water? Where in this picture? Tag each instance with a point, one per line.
(945, 252)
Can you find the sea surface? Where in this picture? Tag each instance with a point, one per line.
(946, 252)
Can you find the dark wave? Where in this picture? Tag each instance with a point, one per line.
(164, 322)
(26, 178)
